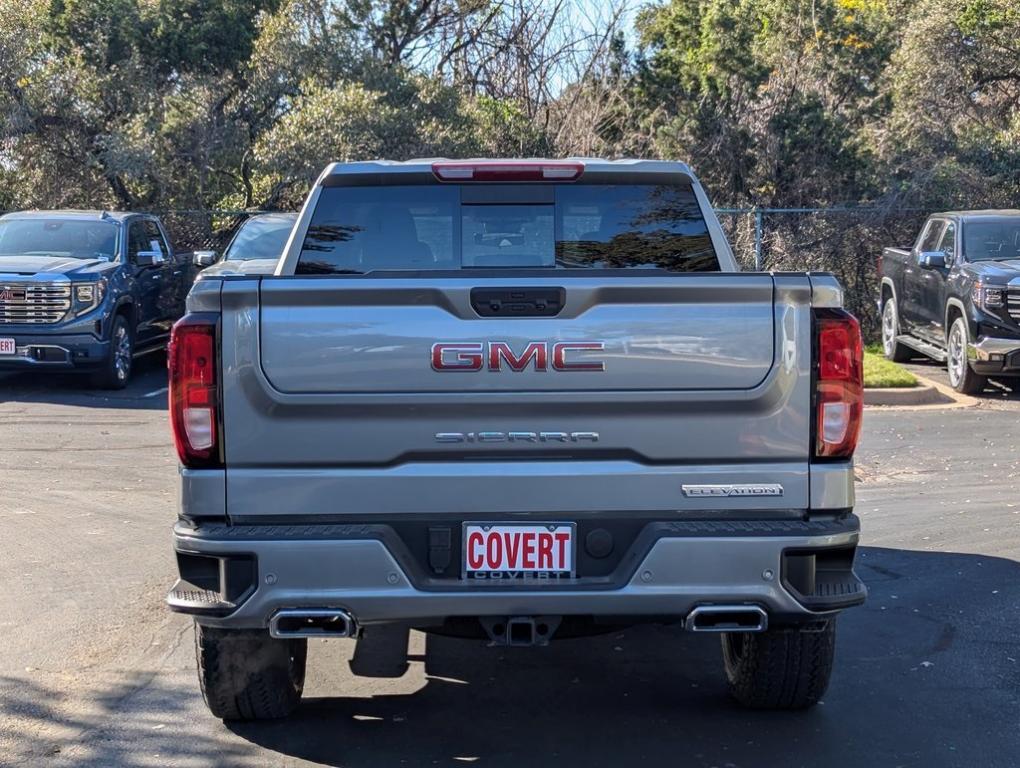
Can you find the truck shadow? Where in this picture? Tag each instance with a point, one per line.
(145, 391)
(997, 390)
(927, 673)
(134, 722)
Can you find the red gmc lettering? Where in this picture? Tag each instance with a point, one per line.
(457, 357)
(500, 350)
(560, 350)
(496, 356)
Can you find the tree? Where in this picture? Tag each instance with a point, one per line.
(953, 137)
(768, 96)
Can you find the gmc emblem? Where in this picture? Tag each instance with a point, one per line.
(13, 294)
(495, 355)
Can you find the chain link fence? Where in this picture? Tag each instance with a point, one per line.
(846, 241)
(202, 230)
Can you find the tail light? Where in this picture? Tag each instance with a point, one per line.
(511, 170)
(194, 399)
(839, 394)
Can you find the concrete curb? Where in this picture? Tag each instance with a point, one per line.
(929, 395)
(920, 395)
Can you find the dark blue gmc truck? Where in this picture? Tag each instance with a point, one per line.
(87, 291)
(955, 296)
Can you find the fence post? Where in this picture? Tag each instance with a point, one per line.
(757, 238)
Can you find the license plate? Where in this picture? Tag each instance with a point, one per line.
(7, 347)
(508, 551)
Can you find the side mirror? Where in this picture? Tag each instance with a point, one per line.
(204, 258)
(148, 258)
(932, 259)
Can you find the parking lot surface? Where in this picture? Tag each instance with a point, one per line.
(998, 392)
(95, 672)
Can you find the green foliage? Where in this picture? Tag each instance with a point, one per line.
(503, 129)
(207, 36)
(103, 32)
(952, 135)
(766, 89)
(882, 373)
(206, 103)
(415, 117)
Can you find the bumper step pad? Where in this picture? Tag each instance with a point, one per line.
(187, 598)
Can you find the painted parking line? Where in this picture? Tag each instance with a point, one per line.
(155, 393)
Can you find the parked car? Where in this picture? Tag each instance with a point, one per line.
(955, 296)
(255, 248)
(87, 291)
(518, 401)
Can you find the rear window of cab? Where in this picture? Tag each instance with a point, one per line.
(560, 226)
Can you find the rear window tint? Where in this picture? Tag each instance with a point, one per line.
(577, 226)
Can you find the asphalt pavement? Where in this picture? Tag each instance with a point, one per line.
(95, 672)
(1001, 391)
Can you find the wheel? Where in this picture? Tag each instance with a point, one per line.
(116, 370)
(781, 668)
(961, 376)
(247, 675)
(890, 330)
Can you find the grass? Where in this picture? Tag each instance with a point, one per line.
(879, 372)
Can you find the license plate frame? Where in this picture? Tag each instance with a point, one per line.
(8, 346)
(530, 575)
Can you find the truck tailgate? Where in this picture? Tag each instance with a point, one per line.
(694, 332)
(335, 407)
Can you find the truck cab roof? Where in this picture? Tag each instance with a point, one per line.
(71, 214)
(628, 170)
(976, 214)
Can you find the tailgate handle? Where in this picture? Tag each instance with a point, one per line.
(517, 302)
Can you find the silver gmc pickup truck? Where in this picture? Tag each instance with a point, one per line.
(520, 401)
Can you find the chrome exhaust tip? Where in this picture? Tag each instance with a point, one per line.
(312, 622)
(727, 618)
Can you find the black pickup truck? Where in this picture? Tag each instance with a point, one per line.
(87, 291)
(955, 296)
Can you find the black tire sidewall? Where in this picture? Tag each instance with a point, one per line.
(781, 668)
(248, 675)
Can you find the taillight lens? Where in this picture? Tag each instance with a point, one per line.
(193, 390)
(511, 170)
(839, 397)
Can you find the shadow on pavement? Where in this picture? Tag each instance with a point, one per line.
(113, 733)
(60, 388)
(1003, 390)
(926, 674)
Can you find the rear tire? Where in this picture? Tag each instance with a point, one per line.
(961, 375)
(116, 370)
(892, 349)
(783, 668)
(247, 675)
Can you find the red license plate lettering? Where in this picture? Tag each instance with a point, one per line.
(518, 549)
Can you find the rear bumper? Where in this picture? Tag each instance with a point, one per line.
(55, 352)
(240, 576)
